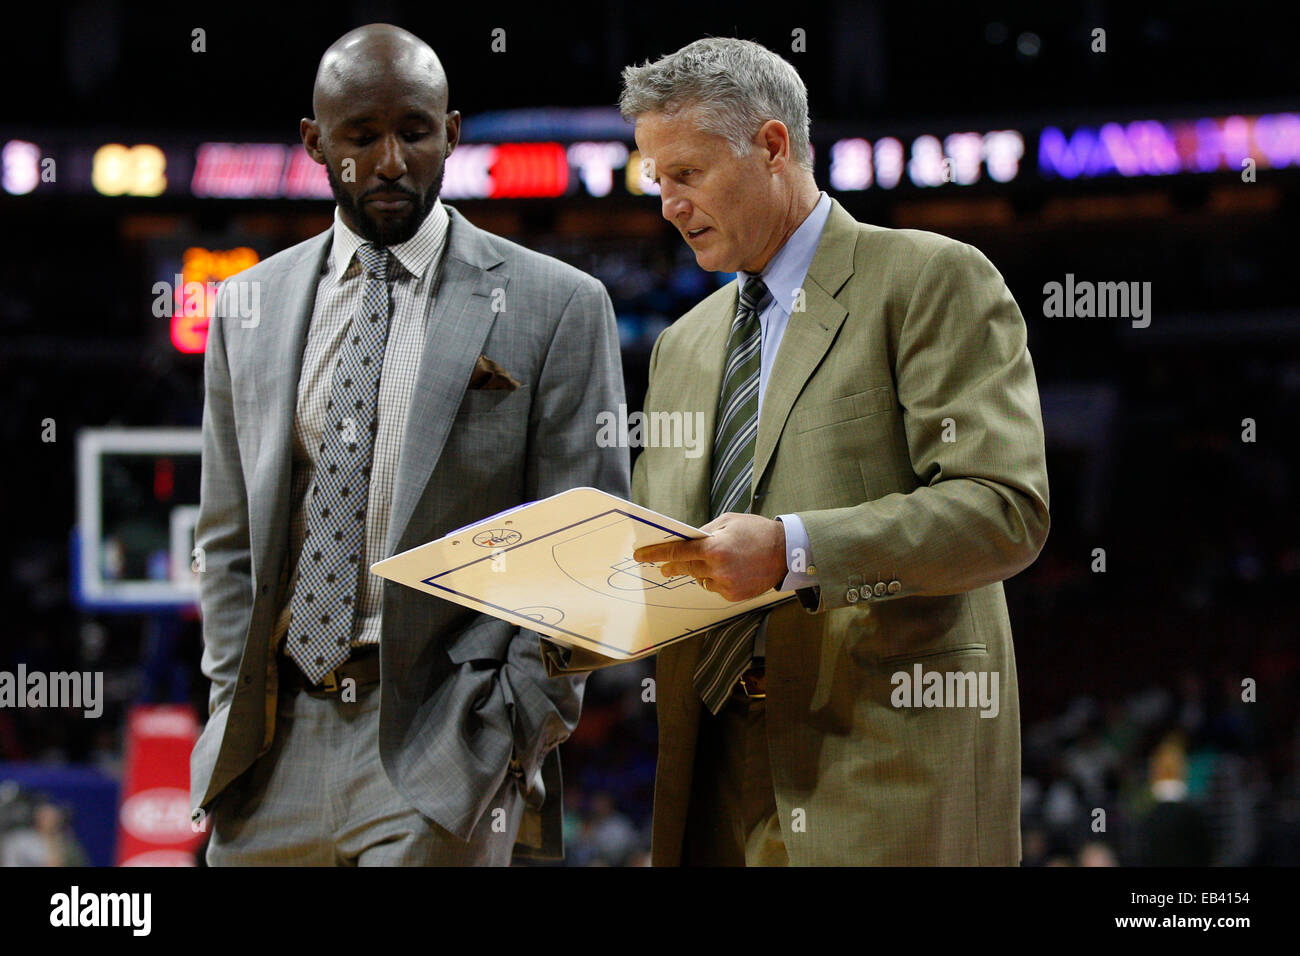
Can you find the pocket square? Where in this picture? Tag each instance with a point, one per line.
(489, 375)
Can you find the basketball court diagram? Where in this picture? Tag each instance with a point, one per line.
(582, 558)
(632, 575)
(572, 580)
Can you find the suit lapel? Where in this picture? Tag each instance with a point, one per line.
(459, 322)
(698, 384)
(809, 333)
(276, 361)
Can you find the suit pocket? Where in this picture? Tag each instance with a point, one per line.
(850, 407)
(958, 650)
(486, 401)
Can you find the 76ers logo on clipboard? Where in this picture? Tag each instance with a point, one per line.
(497, 538)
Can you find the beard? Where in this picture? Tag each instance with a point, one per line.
(386, 232)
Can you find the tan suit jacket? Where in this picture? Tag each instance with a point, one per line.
(902, 424)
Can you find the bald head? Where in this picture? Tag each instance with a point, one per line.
(374, 54)
(381, 129)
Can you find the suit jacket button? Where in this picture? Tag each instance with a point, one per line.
(894, 587)
(851, 595)
(879, 589)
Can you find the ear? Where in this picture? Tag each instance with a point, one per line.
(774, 139)
(309, 130)
(453, 129)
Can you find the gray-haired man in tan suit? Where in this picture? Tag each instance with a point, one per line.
(878, 447)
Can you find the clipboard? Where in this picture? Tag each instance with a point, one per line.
(563, 567)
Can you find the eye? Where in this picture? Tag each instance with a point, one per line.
(363, 139)
(415, 135)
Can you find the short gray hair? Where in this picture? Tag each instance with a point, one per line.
(738, 86)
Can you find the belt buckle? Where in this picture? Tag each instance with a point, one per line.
(329, 683)
(740, 683)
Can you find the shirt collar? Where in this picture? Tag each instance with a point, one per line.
(415, 254)
(785, 273)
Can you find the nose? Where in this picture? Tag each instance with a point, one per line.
(672, 204)
(392, 163)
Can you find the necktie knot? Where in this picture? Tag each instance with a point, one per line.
(374, 259)
(754, 295)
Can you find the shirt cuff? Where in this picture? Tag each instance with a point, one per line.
(801, 573)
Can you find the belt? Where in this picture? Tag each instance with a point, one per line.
(361, 667)
(751, 684)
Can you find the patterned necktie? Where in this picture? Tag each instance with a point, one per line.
(728, 648)
(329, 566)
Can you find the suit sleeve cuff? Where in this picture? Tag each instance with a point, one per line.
(801, 572)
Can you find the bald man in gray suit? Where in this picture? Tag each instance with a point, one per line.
(406, 374)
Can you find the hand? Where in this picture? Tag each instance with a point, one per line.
(743, 557)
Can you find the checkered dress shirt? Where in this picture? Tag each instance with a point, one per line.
(338, 297)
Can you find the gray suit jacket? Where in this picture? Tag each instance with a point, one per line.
(464, 697)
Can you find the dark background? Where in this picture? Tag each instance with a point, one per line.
(1144, 426)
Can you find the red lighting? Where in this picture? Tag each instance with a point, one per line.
(164, 479)
(196, 292)
(529, 170)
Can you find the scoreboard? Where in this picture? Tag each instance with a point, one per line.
(556, 155)
(997, 157)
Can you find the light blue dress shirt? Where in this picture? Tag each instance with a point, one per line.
(784, 277)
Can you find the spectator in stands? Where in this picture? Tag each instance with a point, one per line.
(1097, 853)
(1175, 832)
(47, 842)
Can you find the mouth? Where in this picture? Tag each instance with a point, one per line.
(389, 202)
(696, 233)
